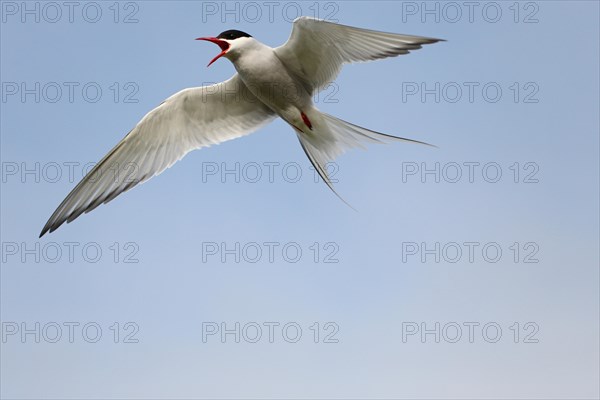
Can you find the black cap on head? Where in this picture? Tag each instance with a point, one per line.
(232, 34)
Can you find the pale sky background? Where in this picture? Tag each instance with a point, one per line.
(374, 290)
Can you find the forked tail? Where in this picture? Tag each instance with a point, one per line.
(332, 136)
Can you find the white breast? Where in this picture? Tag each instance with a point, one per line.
(268, 78)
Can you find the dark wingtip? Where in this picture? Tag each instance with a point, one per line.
(433, 40)
(47, 228)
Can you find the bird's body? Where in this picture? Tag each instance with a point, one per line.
(270, 83)
(267, 77)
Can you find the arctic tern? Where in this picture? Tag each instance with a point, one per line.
(269, 83)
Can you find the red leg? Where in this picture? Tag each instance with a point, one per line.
(306, 120)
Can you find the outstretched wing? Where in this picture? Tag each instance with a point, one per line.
(317, 49)
(190, 119)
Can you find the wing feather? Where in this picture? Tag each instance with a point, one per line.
(317, 49)
(190, 119)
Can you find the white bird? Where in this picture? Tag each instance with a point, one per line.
(269, 83)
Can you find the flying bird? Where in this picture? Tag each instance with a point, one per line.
(269, 83)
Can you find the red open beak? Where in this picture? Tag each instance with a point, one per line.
(221, 43)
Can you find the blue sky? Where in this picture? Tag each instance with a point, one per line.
(162, 257)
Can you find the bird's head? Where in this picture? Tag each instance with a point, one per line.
(230, 42)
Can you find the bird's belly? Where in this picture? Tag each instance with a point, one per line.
(272, 84)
